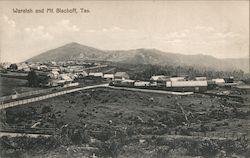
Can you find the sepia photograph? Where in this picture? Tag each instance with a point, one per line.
(124, 79)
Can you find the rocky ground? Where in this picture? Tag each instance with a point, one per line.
(104, 122)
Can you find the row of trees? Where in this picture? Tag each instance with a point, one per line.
(144, 72)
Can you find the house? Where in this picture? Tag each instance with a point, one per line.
(82, 74)
(65, 77)
(5, 65)
(96, 74)
(109, 77)
(23, 67)
(75, 68)
(121, 76)
(142, 84)
(159, 78)
(229, 79)
(34, 67)
(219, 81)
(43, 67)
(26, 69)
(127, 83)
(200, 78)
(183, 86)
(54, 83)
(177, 79)
(53, 74)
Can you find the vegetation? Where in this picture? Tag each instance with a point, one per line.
(144, 72)
(33, 79)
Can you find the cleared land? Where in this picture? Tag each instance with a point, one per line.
(120, 123)
(11, 85)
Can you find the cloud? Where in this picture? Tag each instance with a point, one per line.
(113, 29)
(67, 26)
(8, 21)
(176, 35)
(63, 26)
(227, 35)
(8, 27)
(175, 41)
(38, 33)
(204, 28)
(205, 39)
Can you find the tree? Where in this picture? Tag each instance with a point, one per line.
(13, 66)
(33, 79)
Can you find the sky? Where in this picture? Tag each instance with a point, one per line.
(216, 28)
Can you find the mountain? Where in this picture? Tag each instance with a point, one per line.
(69, 51)
(73, 51)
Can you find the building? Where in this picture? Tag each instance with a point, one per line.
(96, 74)
(159, 80)
(173, 79)
(121, 76)
(219, 81)
(65, 77)
(229, 79)
(43, 67)
(53, 74)
(109, 77)
(184, 86)
(142, 84)
(82, 74)
(125, 83)
(200, 78)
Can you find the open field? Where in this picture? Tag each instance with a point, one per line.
(11, 85)
(122, 123)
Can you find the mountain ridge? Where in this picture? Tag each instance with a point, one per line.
(73, 51)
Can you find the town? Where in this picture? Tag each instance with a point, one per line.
(141, 79)
(198, 107)
(53, 74)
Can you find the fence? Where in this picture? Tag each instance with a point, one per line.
(32, 93)
(34, 99)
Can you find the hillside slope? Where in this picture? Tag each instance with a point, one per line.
(75, 51)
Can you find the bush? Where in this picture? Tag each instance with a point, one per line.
(209, 148)
(46, 109)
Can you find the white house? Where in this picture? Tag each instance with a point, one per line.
(96, 74)
(141, 84)
(219, 81)
(109, 76)
(121, 76)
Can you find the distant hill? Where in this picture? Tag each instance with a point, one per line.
(75, 51)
